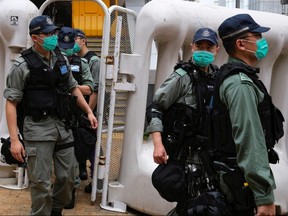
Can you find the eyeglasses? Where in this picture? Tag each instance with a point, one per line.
(258, 36)
(79, 38)
(48, 34)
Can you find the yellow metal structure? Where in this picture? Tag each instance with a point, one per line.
(88, 16)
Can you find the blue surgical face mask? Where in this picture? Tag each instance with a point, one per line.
(262, 48)
(49, 43)
(68, 52)
(202, 58)
(76, 48)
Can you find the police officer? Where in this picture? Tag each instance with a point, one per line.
(243, 41)
(81, 73)
(93, 61)
(41, 80)
(178, 88)
(79, 66)
(94, 65)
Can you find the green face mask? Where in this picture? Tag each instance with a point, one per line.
(202, 58)
(76, 48)
(50, 43)
(262, 48)
(68, 52)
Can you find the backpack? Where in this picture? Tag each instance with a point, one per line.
(270, 116)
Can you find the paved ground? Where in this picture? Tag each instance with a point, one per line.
(18, 202)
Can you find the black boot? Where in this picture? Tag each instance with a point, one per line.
(56, 212)
(72, 202)
(88, 188)
(82, 171)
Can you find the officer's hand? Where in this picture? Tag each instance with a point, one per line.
(266, 210)
(93, 121)
(159, 154)
(17, 150)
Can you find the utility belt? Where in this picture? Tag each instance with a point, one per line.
(59, 105)
(39, 114)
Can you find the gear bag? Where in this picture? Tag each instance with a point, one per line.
(85, 139)
(211, 203)
(170, 181)
(5, 151)
(243, 198)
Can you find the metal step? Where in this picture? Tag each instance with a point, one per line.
(95, 44)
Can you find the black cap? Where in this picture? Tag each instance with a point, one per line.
(42, 24)
(239, 25)
(205, 34)
(80, 33)
(66, 38)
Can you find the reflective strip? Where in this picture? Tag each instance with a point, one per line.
(235, 33)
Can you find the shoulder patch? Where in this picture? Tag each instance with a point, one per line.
(244, 78)
(181, 72)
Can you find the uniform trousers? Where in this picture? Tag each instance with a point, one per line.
(41, 154)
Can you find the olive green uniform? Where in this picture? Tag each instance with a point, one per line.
(176, 88)
(86, 74)
(40, 140)
(242, 97)
(94, 65)
(88, 81)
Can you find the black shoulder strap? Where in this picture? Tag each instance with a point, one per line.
(230, 69)
(187, 66)
(193, 74)
(31, 58)
(59, 55)
(89, 55)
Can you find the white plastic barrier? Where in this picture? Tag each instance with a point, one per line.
(15, 17)
(172, 24)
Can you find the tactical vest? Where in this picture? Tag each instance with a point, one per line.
(45, 86)
(76, 68)
(271, 117)
(186, 133)
(181, 122)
